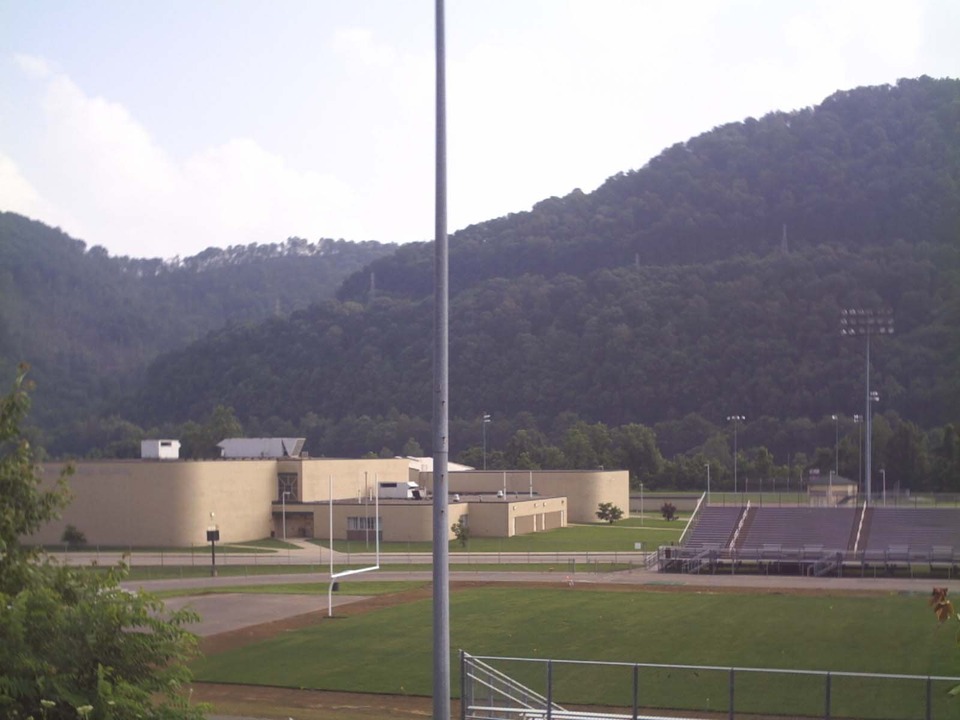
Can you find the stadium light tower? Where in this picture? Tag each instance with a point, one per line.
(485, 420)
(836, 444)
(866, 323)
(736, 420)
(441, 380)
(858, 419)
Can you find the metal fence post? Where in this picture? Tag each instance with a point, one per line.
(731, 694)
(463, 685)
(929, 698)
(826, 709)
(636, 691)
(549, 689)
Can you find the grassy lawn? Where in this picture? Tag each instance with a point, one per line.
(346, 588)
(168, 572)
(390, 650)
(573, 538)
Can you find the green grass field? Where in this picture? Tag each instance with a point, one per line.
(620, 536)
(169, 572)
(389, 651)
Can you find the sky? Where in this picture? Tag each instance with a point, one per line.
(159, 129)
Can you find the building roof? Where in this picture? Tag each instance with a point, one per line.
(261, 447)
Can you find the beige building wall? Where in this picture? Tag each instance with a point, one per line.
(509, 517)
(352, 478)
(584, 489)
(168, 503)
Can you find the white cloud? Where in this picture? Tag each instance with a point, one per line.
(17, 192)
(101, 165)
(33, 66)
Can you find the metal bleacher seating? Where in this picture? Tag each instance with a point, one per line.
(903, 537)
(715, 527)
(797, 527)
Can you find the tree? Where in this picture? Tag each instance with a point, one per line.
(608, 512)
(74, 641)
(461, 531)
(944, 610)
(73, 537)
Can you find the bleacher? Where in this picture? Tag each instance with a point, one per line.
(714, 527)
(819, 540)
(905, 537)
(921, 528)
(797, 527)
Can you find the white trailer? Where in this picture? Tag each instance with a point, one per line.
(400, 490)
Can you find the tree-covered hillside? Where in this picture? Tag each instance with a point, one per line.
(89, 323)
(621, 327)
(670, 293)
(866, 167)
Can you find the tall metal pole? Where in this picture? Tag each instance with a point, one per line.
(441, 519)
(869, 499)
(859, 321)
(836, 444)
(485, 418)
(735, 419)
(858, 419)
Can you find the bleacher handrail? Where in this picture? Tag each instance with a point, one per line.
(863, 514)
(736, 533)
(693, 518)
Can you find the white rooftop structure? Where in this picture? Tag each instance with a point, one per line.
(260, 447)
(160, 449)
(425, 464)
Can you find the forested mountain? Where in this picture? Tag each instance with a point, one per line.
(621, 326)
(864, 168)
(88, 323)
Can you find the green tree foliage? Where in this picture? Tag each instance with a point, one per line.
(73, 640)
(944, 610)
(669, 511)
(89, 323)
(657, 305)
(608, 512)
(73, 537)
(461, 531)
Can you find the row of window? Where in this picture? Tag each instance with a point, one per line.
(363, 523)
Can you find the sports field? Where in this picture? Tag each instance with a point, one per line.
(388, 648)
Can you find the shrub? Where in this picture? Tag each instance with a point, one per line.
(73, 537)
(669, 511)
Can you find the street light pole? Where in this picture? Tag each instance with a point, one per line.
(836, 444)
(484, 421)
(283, 505)
(858, 419)
(867, 322)
(736, 420)
(708, 482)
(883, 474)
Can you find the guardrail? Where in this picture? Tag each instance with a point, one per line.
(639, 691)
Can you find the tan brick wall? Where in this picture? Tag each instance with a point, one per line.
(167, 503)
(584, 489)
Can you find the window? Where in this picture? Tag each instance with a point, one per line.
(287, 483)
(362, 523)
